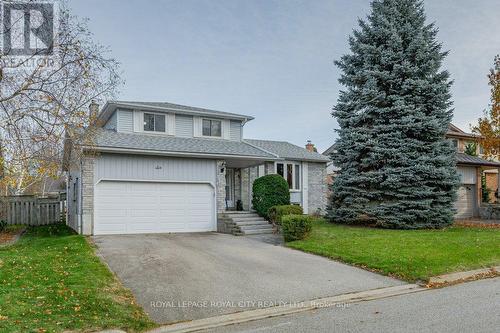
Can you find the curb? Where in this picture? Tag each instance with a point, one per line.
(250, 315)
(454, 278)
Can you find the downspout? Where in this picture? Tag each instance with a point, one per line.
(79, 200)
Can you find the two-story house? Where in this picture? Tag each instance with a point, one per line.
(461, 140)
(469, 168)
(162, 167)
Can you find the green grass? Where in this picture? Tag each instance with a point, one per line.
(407, 254)
(51, 281)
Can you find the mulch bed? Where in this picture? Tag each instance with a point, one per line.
(8, 237)
(477, 224)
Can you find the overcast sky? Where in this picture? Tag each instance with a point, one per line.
(273, 59)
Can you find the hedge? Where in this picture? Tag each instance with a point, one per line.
(275, 213)
(268, 191)
(296, 227)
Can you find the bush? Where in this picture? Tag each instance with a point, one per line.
(296, 227)
(268, 191)
(3, 225)
(275, 213)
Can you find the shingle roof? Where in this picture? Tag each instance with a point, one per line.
(287, 150)
(329, 151)
(145, 142)
(474, 160)
(177, 107)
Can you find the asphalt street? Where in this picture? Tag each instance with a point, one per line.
(467, 307)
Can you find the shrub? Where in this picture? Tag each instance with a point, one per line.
(268, 191)
(275, 213)
(3, 225)
(296, 227)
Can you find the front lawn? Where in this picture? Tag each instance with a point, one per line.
(51, 281)
(407, 254)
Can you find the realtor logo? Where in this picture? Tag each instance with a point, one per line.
(28, 28)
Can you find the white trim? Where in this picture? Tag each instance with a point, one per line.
(210, 113)
(305, 187)
(285, 173)
(196, 126)
(105, 179)
(182, 154)
(138, 121)
(223, 129)
(170, 125)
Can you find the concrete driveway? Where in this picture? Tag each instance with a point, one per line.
(178, 277)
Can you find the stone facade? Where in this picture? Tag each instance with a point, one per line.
(317, 192)
(87, 209)
(490, 212)
(220, 186)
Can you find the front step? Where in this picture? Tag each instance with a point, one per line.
(245, 223)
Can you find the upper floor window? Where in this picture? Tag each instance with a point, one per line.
(212, 127)
(455, 143)
(154, 122)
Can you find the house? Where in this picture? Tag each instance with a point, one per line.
(469, 168)
(461, 140)
(163, 167)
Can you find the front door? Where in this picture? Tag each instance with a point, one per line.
(230, 188)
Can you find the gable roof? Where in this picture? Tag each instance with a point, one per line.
(474, 160)
(454, 131)
(111, 106)
(329, 151)
(108, 140)
(286, 150)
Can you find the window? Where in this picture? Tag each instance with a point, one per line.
(212, 127)
(455, 143)
(297, 177)
(279, 169)
(154, 122)
(291, 173)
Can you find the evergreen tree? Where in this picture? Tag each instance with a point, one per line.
(397, 168)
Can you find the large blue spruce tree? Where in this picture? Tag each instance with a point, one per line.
(397, 168)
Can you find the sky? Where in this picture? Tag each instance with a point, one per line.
(273, 59)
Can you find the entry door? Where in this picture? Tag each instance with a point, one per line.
(229, 188)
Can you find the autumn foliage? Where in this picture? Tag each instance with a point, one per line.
(489, 125)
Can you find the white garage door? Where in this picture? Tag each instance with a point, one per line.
(142, 207)
(465, 201)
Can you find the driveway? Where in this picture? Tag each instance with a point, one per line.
(178, 277)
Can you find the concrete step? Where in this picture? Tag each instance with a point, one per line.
(244, 223)
(255, 227)
(246, 217)
(258, 231)
(250, 219)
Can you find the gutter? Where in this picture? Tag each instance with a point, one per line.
(178, 154)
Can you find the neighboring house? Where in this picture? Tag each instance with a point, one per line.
(469, 168)
(460, 140)
(162, 167)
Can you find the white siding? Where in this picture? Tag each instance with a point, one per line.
(235, 130)
(134, 167)
(125, 121)
(467, 175)
(111, 123)
(184, 126)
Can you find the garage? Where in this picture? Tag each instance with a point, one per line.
(133, 207)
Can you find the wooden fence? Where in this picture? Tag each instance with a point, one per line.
(33, 210)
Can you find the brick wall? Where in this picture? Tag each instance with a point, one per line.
(317, 192)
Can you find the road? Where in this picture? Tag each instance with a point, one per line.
(467, 307)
